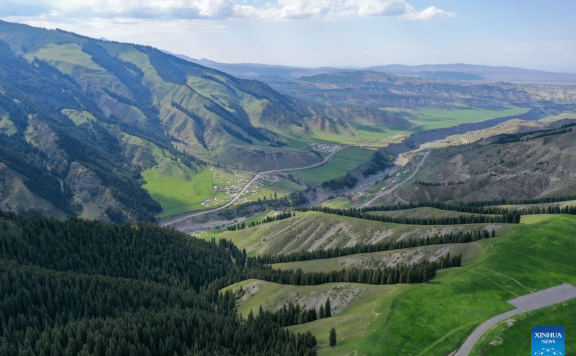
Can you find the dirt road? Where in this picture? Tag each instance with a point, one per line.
(396, 186)
(523, 304)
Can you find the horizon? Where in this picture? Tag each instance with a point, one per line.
(326, 33)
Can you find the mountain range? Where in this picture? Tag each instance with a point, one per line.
(456, 71)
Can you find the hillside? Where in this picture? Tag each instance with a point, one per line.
(86, 124)
(434, 318)
(502, 167)
(119, 289)
(313, 231)
(380, 90)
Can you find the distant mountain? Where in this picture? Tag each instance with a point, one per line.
(381, 90)
(457, 72)
(261, 71)
(478, 73)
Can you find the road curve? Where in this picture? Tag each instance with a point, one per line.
(258, 175)
(388, 191)
(523, 304)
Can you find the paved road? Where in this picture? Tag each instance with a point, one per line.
(326, 160)
(388, 191)
(523, 304)
(191, 214)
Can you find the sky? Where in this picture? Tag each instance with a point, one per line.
(532, 34)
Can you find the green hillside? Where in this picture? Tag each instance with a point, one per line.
(312, 231)
(433, 318)
(142, 124)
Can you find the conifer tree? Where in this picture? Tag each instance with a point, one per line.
(332, 337)
(327, 309)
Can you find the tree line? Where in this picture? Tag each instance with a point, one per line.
(451, 238)
(280, 216)
(292, 314)
(420, 272)
(507, 217)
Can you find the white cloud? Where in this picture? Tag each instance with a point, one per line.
(217, 9)
(430, 13)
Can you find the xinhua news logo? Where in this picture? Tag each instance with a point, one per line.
(548, 340)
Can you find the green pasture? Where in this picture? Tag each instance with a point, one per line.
(438, 118)
(342, 162)
(433, 318)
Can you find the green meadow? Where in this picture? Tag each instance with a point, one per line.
(438, 118)
(433, 318)
(342, 162)
(178, 192)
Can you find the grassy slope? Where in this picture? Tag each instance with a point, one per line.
(421, 213)
(437, 118)
(337, 203)
(178, 190)
(433, 318)
(510, 336)
(313, 230)
(385, 258)
(342, 162)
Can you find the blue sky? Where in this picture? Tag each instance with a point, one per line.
(359, 33)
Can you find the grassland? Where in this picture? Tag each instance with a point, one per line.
(79, 117)
(561, 116)
(342, 162)
(510, 336)
(433, 318)
(315, 231)
(337, 203)
(178, 193)
(385, 258)
(438, 118)
(7, 126)
(421, 213)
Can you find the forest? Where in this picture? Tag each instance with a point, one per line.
(80, 287)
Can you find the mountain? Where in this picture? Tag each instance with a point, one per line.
(522, 165)
(262, 72)
(83, 121)
(381, 90)
(457, 71)
(470, 72)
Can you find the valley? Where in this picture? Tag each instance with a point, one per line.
(155, 204)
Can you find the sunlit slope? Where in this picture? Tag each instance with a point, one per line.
(535, 166)
(313, 231)
(433, 318)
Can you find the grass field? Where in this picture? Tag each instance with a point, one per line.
(562, 116)
(337, 203)
(178, 192)
(510, 337)
(342, 162)
(7, 126)
(438, 118)
(433, 318)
